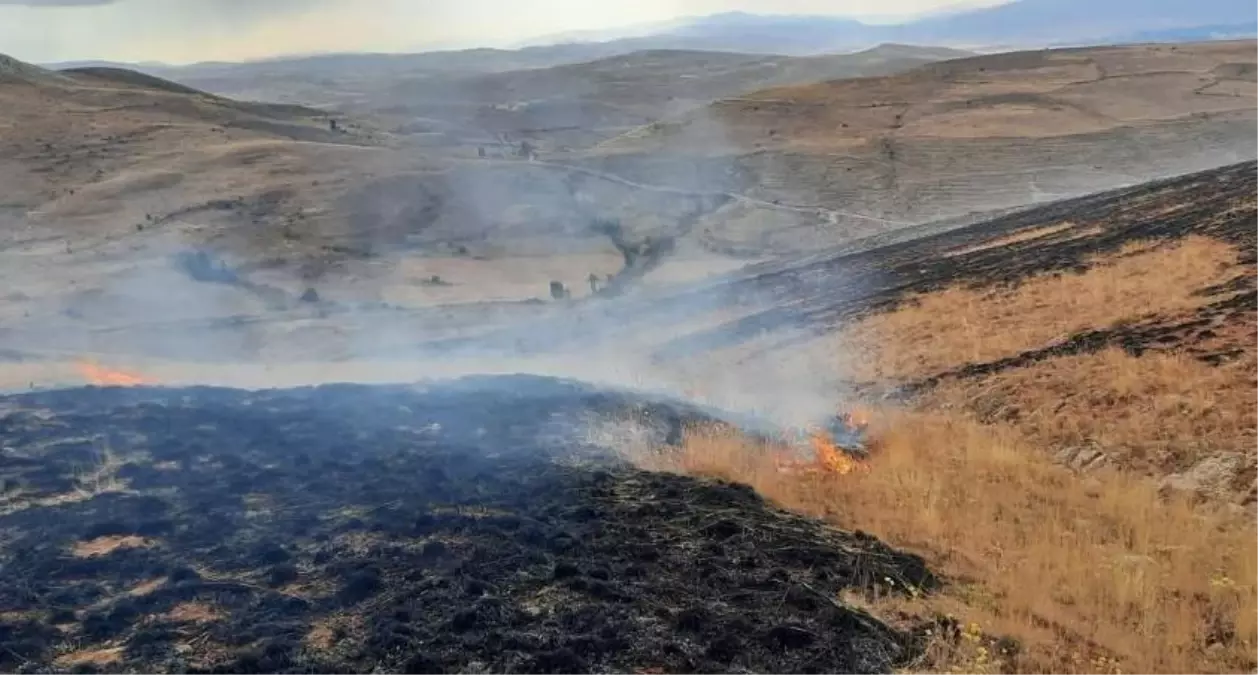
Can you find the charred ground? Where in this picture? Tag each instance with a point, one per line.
(458, 527)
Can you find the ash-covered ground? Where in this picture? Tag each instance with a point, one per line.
(475, 525)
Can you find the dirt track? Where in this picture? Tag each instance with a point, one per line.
(353, 529)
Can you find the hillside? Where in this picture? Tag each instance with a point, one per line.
(127, 201)
(1138, 302)
(1068, 390)
(861, 156)
(150, 142)
(813, 378)
(322, 225)
(574, 104)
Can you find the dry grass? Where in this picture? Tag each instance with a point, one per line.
(1096, 572)
(956, 326)
(330, 631)
(1023, 236)
(94, 658)
(107, 545)
(1077, 572)
(1158, 413)
(146, 587)
(192, 612)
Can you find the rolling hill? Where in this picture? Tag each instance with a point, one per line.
(316, 223)
(860, 156)
(573, 104)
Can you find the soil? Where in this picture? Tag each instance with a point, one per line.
(456, 527)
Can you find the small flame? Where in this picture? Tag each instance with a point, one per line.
(831, 457)
(99, 375)
(828, 456)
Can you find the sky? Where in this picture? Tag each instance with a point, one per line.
(184, 31)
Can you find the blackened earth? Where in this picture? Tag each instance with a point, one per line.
(457, 527)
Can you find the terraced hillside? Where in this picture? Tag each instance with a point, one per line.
(947, 139)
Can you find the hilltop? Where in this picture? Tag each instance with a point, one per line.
(563, 105)
(96, 153)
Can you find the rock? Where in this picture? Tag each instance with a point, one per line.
(1083, 458)
(1212, 477)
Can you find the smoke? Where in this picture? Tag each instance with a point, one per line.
(442, 268)
(450, 278)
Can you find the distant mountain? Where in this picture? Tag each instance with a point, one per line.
(1015, 24)
(1037, 22)
(1020, 23)
(1235, 31)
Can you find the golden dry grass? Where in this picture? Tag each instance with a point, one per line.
(1157, 413)
(1155, 584)
(938, 331)
(1097, 572)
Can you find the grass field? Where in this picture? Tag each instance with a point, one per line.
(1052, 569)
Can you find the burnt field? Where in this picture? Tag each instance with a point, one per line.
(464, 526)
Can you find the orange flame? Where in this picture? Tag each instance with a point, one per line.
(828, 457)
(831, 457)
(99, 375)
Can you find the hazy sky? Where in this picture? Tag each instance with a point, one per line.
(180, 31)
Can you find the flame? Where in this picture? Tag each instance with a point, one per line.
(831, 457)
(99, 375)
(828, 457)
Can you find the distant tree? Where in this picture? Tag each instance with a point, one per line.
(480, 152)
(311, 295)
(333, 125)
(593, 282)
